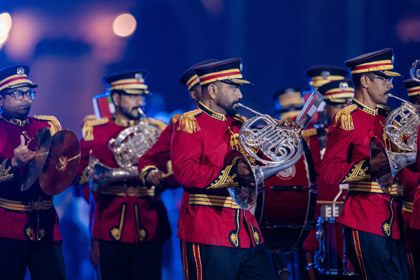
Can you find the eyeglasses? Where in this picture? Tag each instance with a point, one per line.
(18, 94)
(386, 80)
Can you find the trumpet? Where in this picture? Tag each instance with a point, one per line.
(281, 146)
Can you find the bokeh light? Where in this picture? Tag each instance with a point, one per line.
(5, 25)
(124, 25)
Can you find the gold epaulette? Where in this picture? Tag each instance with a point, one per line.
(52, 121)
(344, 119)
(188, 123)
(289, 115)
(89, 118)
(241, 119)
(307, 133)
(159, 124)
(175, 118)
(87, 131)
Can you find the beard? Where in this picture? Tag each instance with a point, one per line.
(131, 113)
(231, 111)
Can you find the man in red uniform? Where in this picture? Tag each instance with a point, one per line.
(218, 239)
(29, 235)
(129, 223)
(152, 165)
(370, 214)
(412, 234)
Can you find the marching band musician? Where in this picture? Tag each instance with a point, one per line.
(218, 239)
(29, 235)
(370, 214)
(412, 234)
(129, 223)
(337, 95)
(152, 165)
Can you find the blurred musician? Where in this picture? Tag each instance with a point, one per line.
(29, 233)
(129, 223)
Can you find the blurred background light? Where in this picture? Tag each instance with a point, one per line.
(5, 25)
(124, 25)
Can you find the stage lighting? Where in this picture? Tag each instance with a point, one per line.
(124, 25)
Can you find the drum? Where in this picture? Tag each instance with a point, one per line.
(285, 208)
(331, 258)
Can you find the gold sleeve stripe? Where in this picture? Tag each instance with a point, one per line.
(369, 187)
(408, 207)
(213, 200)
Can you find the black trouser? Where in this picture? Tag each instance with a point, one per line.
(376, 257)
(44, 260)
(118, 260)
(202, 261)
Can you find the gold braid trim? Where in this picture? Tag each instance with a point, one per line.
(225, 179)
(357, 173)
(188, 123)
(87, 131)
(159, 124)
(52, 121)
(240, 118)
(344, 118)
(308, 133)
(84, 177)
(175, 118)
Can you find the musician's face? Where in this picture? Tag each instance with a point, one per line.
(228, 98)
(379, 88)
(16, 109)
(129, 105)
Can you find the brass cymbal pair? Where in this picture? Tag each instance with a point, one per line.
(55, 162)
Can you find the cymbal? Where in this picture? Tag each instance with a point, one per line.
(41, 145)
(63, 161)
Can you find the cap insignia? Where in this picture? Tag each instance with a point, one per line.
(289, 90)
(343, 86)
(241, 66)
(20, 71)
(138, 76)
(325, 74)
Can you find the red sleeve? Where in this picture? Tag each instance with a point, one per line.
(337, 165)
(159, 154)
(189, 170)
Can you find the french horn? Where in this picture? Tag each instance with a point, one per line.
(272, 145)
(127, 147)
(401, 127)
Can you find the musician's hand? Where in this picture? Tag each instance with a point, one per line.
(288, 124)
(379, 164)
(245, 173)
(154, 177)
(22, 154)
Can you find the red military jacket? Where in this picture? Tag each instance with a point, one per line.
(346, 160)
(30, 214)
(124, 210)
(200, 141)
